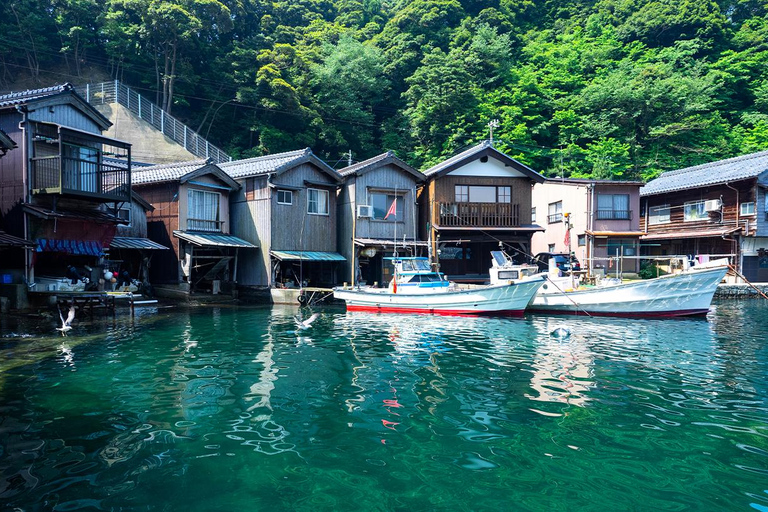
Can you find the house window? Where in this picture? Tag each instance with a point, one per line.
(555, 212)
(317, 201)
(533, 214)
(482, 194)
(203, 210)
(582, 240)
(623, 247)
(551, 248)
(613, 207)
(284, 197)
(80, 168)
(658, 214)
(382, 202)
(694, 211)
(124, 214)
(748, 208)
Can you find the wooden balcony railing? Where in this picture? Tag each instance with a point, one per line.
(82, 178)
(478, 215)
(614, 214)
(204, 225)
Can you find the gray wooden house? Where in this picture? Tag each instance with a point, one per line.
(367, 234)
(286, 205)
(61, 188)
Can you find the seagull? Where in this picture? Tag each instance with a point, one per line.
(306, 324)
(65, 324)
(560, 332)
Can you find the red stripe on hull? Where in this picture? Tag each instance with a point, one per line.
(449, 312)
(638, 314)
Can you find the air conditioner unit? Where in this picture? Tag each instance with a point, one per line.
(713, 205)
(364, 210)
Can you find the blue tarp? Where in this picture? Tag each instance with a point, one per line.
(82, 247)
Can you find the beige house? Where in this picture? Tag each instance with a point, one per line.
(604, 220)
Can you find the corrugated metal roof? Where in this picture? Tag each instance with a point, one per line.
(694, 233)
(389, 242)
(126, 242)
(19, 97)
(307, 256)
(7, 240)
(262, 164)
(165, 172)
(82, 214)
(213, 240)
(713, 173)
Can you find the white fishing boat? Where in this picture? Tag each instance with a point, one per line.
(686, 293)
(417, 288)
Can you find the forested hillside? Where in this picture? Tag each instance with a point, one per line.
(605, 89)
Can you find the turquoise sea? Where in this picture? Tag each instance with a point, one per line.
(234, 408)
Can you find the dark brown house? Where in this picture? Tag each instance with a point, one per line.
(473, 202)
(710, 211)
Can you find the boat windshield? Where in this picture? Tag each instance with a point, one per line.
(414, 265)
(500, 258)
(426, 278)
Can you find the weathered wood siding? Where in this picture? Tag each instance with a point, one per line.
(161, 223)
(676, 201)
(12, 189)
(391, 180)
(293, 228)
(346, 215)
(251, 221)
(138, 226)
(65, 115)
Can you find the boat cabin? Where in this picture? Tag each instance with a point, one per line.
(415, 275)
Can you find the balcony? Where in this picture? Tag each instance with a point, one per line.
(83, 178)
(212, 226)
(555, 217)
(614, 214)
(79, 164)
(482, 215)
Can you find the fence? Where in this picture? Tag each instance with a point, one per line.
(116, 92)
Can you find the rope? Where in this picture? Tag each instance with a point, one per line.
(739, 274)
(565, 294)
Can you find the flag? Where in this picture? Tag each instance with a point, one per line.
(567, 240)
(392, 209)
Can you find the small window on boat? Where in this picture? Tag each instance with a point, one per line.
(509, 274)
(421, 264)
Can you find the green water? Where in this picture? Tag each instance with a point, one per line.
(233, 409)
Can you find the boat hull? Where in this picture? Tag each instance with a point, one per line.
(686, 294)
(503, 300)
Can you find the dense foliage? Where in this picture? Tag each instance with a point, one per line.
(583, 88)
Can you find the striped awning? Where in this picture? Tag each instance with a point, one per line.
(127, 242)
(81, 247)
(213, 240)
(307, 256)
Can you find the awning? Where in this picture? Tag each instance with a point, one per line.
(702, 233)
(616, 233)
(213, 240)
(307, 256)
(388, 243)
(7, 240)
(83, 214)
(81, 247)
(126, 242)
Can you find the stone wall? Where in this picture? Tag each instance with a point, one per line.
(740, 291)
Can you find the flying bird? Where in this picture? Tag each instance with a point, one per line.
(306, 324)
(65, 324)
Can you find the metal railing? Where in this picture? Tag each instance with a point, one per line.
(66, 175)
(614, 214)
(204, 225)
(116, 92)
(555, 217)
(479, 214)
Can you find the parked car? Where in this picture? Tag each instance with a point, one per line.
(562, 260)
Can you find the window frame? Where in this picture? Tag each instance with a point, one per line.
(700, 206)
(128, 217)
(557, 215)
(533, 214)
(217, 221)
(741, 208)
(655, 215)
(318, 202)
(389, 196)
(285, 191)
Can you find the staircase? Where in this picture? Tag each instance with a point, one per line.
(117, 92)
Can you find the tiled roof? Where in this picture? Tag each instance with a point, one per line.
(164, 172)
(713, 173)
(384, 158)
(20, 97)
(250, 167)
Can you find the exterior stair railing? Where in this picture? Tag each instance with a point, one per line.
(117, 92)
